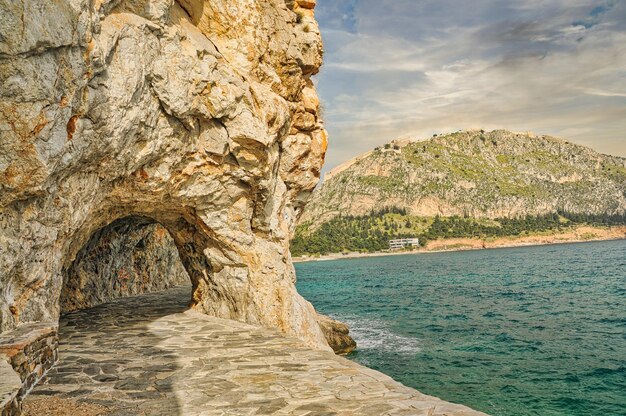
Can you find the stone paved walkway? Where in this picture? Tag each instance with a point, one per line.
(145, 356)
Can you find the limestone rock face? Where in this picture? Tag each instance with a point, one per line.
(199, 115)
(337, 334)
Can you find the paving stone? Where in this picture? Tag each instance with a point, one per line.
(146, 355)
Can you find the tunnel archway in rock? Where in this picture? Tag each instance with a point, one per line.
(130, 256)
(231, 274)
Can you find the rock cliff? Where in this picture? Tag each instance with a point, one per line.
(473, 174)
(199, 115)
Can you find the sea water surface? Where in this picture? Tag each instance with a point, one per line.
(517, 331)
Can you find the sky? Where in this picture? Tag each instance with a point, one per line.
(412, 68)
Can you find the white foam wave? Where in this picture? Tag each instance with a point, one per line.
(374, 334)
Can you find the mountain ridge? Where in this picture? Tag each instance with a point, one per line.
(473, 173)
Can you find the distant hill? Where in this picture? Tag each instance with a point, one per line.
(486, 183)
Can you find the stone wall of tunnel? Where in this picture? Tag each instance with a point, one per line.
(130, 256)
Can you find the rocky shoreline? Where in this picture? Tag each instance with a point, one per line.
(579, 235)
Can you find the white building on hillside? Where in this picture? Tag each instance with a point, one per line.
(403, 242)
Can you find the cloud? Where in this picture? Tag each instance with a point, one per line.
(397, 68)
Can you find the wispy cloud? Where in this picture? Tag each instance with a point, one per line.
(397, 68)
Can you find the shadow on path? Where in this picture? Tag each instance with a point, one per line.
(111, 355)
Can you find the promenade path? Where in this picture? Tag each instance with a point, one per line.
(147, 355)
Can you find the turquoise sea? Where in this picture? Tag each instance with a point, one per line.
(518, 331)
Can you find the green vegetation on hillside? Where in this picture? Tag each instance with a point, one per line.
(474, 173)
(372, 232)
